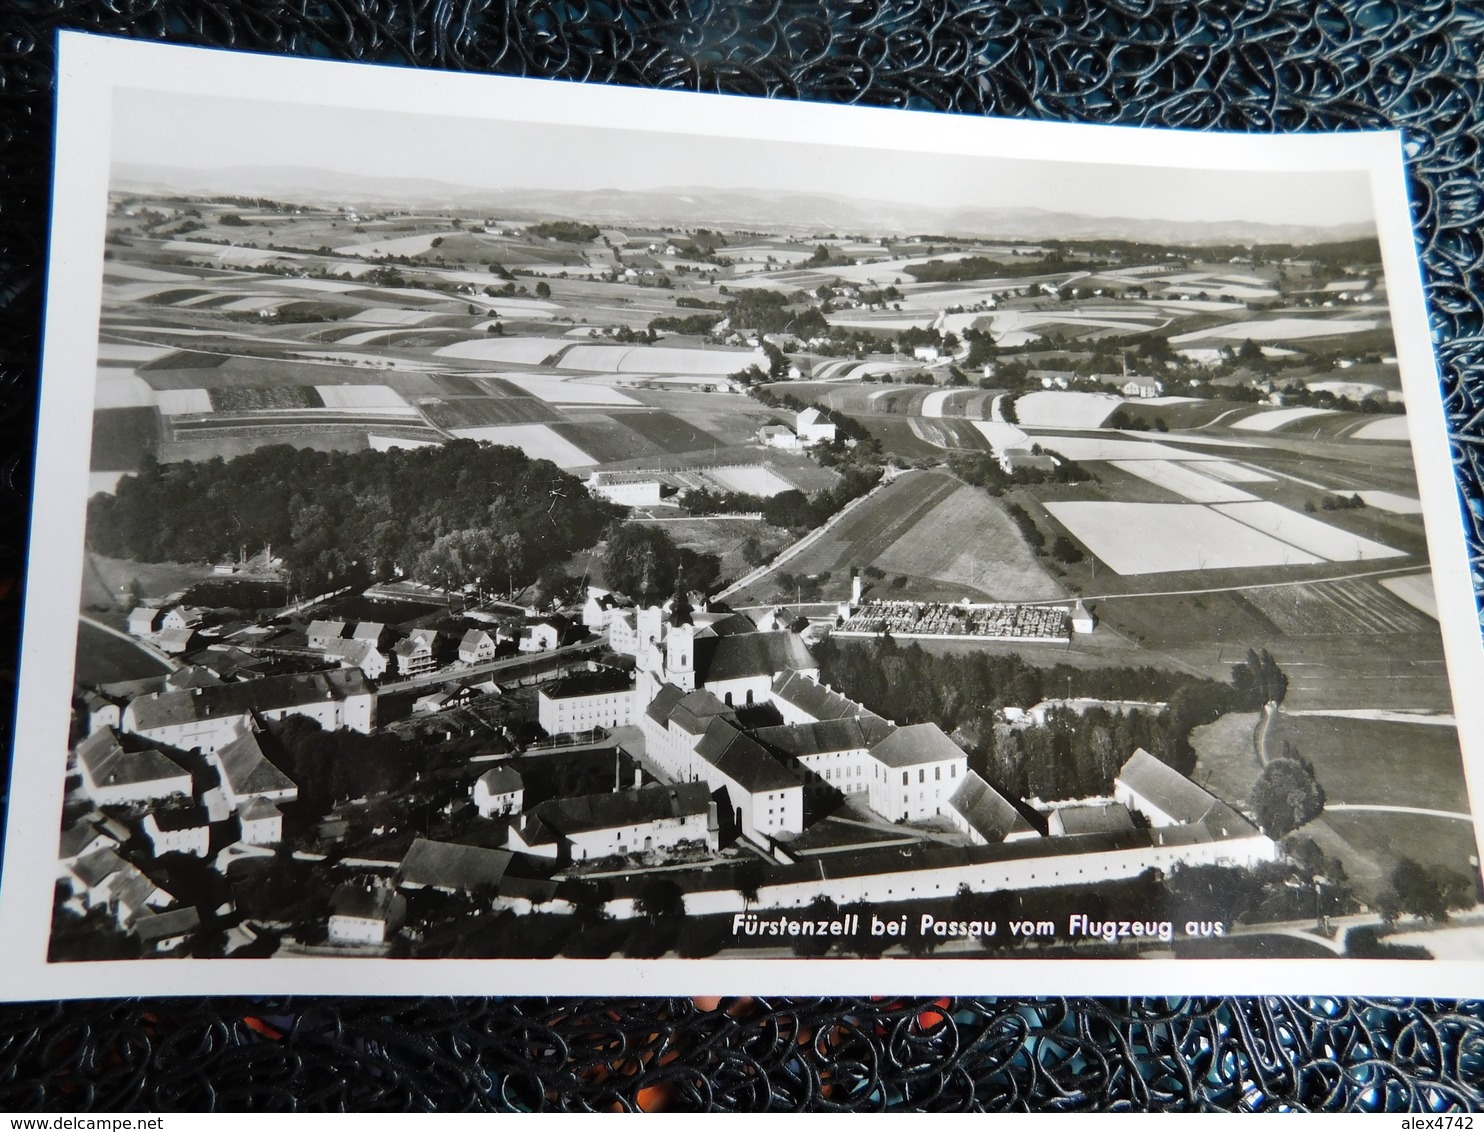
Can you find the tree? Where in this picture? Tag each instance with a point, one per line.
(640, 561)
(543, 290)
(752, 551)
(1426, 892)
(659, 899)
(1286, 796)
(1257, 681)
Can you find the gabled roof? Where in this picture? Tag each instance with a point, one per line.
(915, 745)
(601, 682)
(176, 818)
(384, 904)
(726, 624)
(175, 640)
(140, 612)
(1166, 788)
(246, 770)
(267, 693)
(664, 702)
(108, 764)
(258, 808)
(814, 699)
(440, 864)
(695, 711)
(569, 816)
(750, 654)
(80, 835)
(191, 676)
(743, 759)
(97, 867)
(367, 631)
(163, 925)
(988, 812)
(472, 638)
(799, 740)
(1096, 817)
(413, 646)
(502, 780)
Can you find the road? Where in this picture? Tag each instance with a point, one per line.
(464, 674)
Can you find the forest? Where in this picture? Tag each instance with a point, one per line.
(1074, 755)
(451, 515)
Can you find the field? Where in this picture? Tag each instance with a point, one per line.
(1157, 538)
(536, 440)
(1271, 419)
(749, 480)
(1307, 533)
(970, 545)
(1183, 481)
(103, 658)
(480, 412)
(1226, 761)
(1377, 762)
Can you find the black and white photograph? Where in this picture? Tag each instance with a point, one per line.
(486, 520)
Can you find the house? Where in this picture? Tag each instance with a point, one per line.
(142, 621)
(210, 717)
(360, 654)
(833, 753)
(544, 635)
(161, 932)
(88, 834)
(476, 646)
(368, 631)
(586, 701)
(177, 829)
(926, 353)
(1166, 797)
(1141, 387)
(452, 868)
(261, 821)
(813, 426)
(1014, 460)
(181, 617)
(918, 769)
(627, 821)
(366, 915)
(112, 776)
(322, 633)
(627, 489)
(779, 436)
(1091, 817)
(498, 791)
(174, 641)
(246, 773)
(1082, 619)
(414, 653)
(101, 711)
(986, 815)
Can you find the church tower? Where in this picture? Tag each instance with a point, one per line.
(680, 645)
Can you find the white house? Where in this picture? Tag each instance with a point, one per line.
(779, 436)
(1141, 387)
(498, 791)
(543, 636)
(366, 915)
(112, 776)
(179, 829)
(361, 654)
(917, 769)
(261, 821)
(414, 653)
(181, 617)
(586, 701)
(476, 646)
(627, 821)
(1082, 618)
(813, 426)
(142, 621)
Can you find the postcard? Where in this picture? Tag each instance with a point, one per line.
(495, 535)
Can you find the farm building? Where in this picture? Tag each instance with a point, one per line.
(627, 489)
(142, 621)
(813, 426)
(112, 776)
(986, 815)
(261, 821)
(246, 773)
(451, 868)
(177, 829)
(628, 821)
(165, 931)
(366, 915)
(779, 436)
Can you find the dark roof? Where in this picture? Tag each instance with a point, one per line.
(801, 739)
(1166, 788)
(502, 780)
(697, 709)
(108, 764)
(988, 812)
(367, 631)
(726, 624)
(80, 835)
(180, 817)
(627, 807)
(97, 867)
(750, 654)
(440, 864)
(268, 693)
(385, 904)
(1098, 817)
(256, 809)
(246, 770)
(820, 702)
(588, 684)
(325, 629)
(192, 676)
(163, 925)
(917, 744)
(664, 702)
(743, 759)
(470, 639)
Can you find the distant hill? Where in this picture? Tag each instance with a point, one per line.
(690, 206)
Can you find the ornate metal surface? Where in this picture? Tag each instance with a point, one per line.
(1263, 65)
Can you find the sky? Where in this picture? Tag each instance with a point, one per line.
(159, 129)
